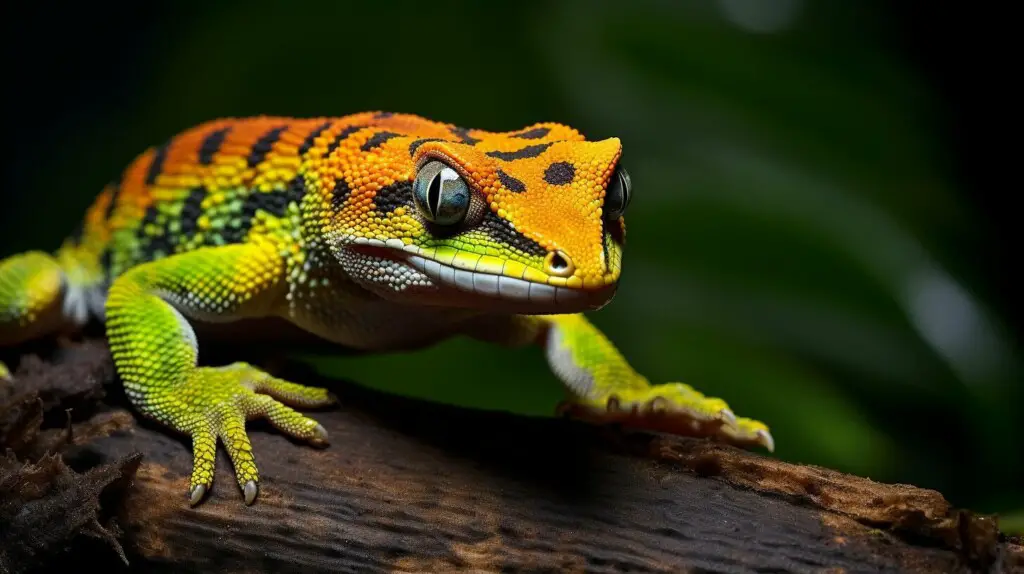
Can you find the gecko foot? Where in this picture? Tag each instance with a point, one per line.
(218, 401)
(672, 408)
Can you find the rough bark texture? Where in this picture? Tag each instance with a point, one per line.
(409, 486)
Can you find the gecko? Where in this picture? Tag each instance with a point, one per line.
(373, 232)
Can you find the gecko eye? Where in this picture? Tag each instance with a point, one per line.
(616, 197)
(440, 194)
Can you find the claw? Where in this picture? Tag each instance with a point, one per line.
(319, 434)
(764, 438)
(250, 491)
(197, 493)
(728, 416)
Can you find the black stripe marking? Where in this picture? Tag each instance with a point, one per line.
(115, 191)
(463, 135)
(383, 115)
(416, 144)
(377, 140)
(534, 134)
(294, 193)
(150, 217)
(340, 194)
(311, 138)
(211, 145)
(560, 173)
(191, 211)
(525, 153)
(272, 202)
(158, 163)
(153, 246)
(393, 196)
(503, 233)
(512, 184)
(262, 147)
(341, 137)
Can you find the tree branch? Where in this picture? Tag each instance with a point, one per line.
(413, 486)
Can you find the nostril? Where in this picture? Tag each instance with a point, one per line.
(559, 264)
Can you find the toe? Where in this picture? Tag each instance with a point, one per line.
(236, 442)
(294, 394)
(204, 455)
(747, 433)
(288, 420)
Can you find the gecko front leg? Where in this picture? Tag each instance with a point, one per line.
(603, 388)
(155, 351)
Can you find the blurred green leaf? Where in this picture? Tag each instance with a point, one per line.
(1012, 523)
(459, 371)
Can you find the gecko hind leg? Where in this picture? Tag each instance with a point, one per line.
(32, 293)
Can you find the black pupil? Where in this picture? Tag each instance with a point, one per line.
(624, 191)
(434, 194)
(614, 199)
(558, 262)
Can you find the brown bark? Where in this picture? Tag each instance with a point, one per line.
(411, 486)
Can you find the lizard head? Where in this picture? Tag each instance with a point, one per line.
(528, 222)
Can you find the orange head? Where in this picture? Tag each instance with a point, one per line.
(527, 221)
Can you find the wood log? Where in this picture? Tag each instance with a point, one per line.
(413, 486)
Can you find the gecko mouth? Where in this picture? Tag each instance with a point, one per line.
(462, 284)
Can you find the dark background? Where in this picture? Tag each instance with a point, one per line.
(819, 233)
